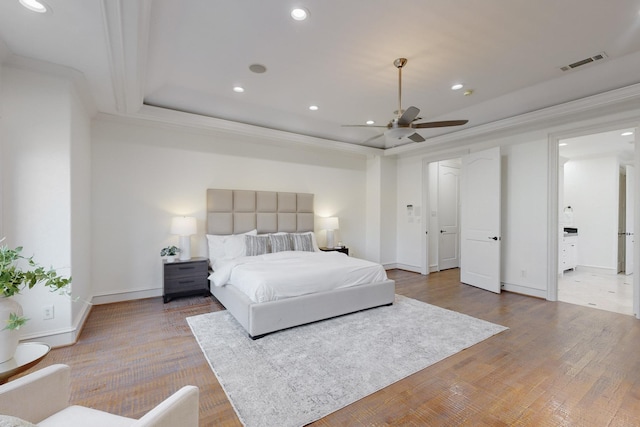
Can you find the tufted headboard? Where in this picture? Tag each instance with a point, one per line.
(239, 211)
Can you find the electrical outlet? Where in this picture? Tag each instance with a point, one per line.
(47, 312)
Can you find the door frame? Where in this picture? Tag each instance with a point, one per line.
(552, 203)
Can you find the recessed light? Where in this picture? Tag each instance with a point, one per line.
(628, 133)
(257, 68)
(299, 14)
(562, 144)
(34, 5)
(313, 107)
(370, 122)
(457, 86)
(238, 89)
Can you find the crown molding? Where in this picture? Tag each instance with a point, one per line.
(163, 117)
(127, 42)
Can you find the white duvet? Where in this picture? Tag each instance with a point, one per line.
(287, 274)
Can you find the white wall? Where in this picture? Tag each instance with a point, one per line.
(524, 217)
(144, 173)
(591, 189)
(410, 234)
(80, 164)
(524, 212)
(40, 121)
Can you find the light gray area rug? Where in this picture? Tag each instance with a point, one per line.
(299, 375)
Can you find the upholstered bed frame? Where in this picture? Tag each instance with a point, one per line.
(239, 211)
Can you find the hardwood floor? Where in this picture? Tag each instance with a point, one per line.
(558, 365)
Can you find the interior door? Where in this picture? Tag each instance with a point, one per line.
(622, 223)
(448, 216)
(480, 219)
(629, 238)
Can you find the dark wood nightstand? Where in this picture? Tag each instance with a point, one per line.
(344, 249)
(182, 278)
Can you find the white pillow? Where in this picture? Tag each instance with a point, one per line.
(228, 246)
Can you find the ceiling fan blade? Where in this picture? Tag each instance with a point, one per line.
(416, 137)
(408, 116)
(439, 124)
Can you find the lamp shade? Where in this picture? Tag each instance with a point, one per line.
(331, 223)
(183, 225)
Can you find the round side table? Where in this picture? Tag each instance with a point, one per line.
(27, 355)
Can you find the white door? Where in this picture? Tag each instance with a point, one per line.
(629, 220)
(480, 220)
(622, 223)
(448, 216)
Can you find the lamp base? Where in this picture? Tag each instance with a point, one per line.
(330, 239)
(185, 248)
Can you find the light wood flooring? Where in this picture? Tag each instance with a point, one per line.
(558, 365)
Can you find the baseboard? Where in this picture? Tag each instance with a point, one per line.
(538, 293)
(411, 268)
(126, 296)
(61, 337)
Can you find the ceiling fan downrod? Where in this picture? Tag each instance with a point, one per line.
(399, 63)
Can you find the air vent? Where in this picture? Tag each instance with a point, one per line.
(598, 57)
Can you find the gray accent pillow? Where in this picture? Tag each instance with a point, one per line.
(302, 242)
(280, 242)
(256, 245)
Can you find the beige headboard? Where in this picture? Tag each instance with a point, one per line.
(239, 211)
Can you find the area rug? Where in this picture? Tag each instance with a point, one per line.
(299, 375)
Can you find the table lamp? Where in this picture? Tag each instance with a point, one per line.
(184, 226)
(331, 224)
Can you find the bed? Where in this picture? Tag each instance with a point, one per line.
(235, 213)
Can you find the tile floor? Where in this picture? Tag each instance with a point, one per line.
(598, 289)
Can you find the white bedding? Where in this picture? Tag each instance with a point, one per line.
(287, 274)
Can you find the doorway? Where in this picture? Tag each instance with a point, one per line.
(444, 215)
(477, 180)
(596, 219)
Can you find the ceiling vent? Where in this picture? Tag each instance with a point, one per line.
(598, 57)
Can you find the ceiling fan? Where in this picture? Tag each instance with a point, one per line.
(404, 123)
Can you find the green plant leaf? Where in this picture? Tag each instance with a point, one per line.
(15, 322)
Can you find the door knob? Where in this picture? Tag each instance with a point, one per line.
(494, 238)
(441, 231)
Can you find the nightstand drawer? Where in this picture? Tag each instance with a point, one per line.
(185, 284)
(185, 269)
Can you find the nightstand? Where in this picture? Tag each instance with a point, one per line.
(344, 249)
(182, 278)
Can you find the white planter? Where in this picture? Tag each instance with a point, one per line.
(8, 338)
(171, 258)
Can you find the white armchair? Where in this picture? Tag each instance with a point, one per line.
(42, 398)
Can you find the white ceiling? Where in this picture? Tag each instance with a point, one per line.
(610, 143)
(188, 54)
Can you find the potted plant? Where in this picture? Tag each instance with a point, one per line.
(17, 273)
(170, 252)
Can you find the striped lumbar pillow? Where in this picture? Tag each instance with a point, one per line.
(302, 242)
(280, 242)
(256, 245)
